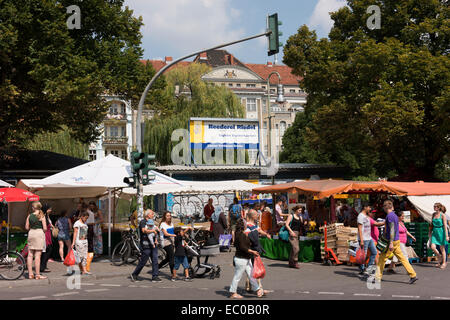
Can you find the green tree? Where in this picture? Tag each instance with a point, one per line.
(194, 98)
(51, 76)
(60, 142)
(378, 100)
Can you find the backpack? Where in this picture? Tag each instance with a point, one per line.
(236, 210)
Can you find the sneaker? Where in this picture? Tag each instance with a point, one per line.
(188, 279)
(412, 280)
(173, 279)
(156, 279)
(134, 278)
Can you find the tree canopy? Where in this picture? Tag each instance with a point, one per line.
(189, 96)
(52, 76)
(378, 100)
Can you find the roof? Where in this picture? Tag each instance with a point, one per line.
(159, 64)
(327, 188)
(216, 58)
(263, 70)
(217, 168)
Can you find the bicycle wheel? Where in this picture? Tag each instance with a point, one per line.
(12, 265)
(161, 257)
(120, 253)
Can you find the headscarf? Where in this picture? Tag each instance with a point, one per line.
(217, 211)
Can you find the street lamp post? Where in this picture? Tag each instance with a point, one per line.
(280, 99)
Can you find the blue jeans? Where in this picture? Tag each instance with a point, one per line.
(147, 254)
(369, 244)
(181, 260)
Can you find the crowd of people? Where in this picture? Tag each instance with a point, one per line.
(50, 233)
(394, 239)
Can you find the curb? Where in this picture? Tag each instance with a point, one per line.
(59, 280)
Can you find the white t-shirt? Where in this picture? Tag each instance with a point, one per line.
(82, 232)
(169, 229)
(91, 218)
(365, 221)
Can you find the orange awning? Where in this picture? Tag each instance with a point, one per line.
(327, 188)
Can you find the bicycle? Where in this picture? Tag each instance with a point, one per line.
(12, 264)
(128, 250)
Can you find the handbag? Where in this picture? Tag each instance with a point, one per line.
(55, 232)
(382, 244)
(283, 234)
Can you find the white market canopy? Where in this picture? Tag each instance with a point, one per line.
(425, 204)
(89, 180)
(5, 184)
(195, 187)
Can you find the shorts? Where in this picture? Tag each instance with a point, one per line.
(181, 260)
(63, 236)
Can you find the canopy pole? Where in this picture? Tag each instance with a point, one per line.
(333, 209)
(7, 229)
(109, 222)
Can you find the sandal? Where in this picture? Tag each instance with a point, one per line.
(260, 293)
(31, 277)
(443, 266)
(236, 296)
(39, 277)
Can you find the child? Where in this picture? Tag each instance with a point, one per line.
(180, 254)
(152, 236)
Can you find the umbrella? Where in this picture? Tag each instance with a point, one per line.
(15, 195)
(5, 184)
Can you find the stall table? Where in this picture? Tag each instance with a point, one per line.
(279, 250)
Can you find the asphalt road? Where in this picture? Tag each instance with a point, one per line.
(311, 281)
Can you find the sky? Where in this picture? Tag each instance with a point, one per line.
(178, 27)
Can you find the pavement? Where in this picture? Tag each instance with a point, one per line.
(311, 281)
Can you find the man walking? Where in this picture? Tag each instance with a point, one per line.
(147, 249)
(393, 238)
(365, 238)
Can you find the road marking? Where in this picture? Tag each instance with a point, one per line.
(88, 284)
(304, 292)
(203, 288)
(66, 294)
(168, 287)
(337, 293)
(367, 294)
(144, 287)
(110, 285)
(34, 298)
(96, 290)
(441, 298)
(400, 296)
(132, 286)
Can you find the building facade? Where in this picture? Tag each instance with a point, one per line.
(117, 133)
(249, 83)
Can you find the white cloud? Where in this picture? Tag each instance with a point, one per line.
(320, 18)
(183, 26)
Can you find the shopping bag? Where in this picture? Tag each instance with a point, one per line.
(225, 240)
(70, 259)
(283, 234)
(259, 271)
(360, 256)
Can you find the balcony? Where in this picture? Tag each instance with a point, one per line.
(116, 116)
(115, 140)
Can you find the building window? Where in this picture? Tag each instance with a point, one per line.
(292, 91)
(263, 87)
(251, 104)
(276, 126)
(272, 90)
(124, 155)
(265, 125)
(275, 108)
(123, 132)
(113, 131)
(230, 84)
(92, 155)
(113, 152)
(238, 85)
(298, 108)
(250, 85)
(282, 128)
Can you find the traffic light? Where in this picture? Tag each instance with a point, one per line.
(274, 36)
(131, 181)
(136, 164)
(147, 176)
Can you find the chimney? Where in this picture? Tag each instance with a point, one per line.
(167, 60)
(269, 64)
(231, 59)
(203, 56)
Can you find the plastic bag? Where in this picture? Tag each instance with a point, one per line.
(259, 271)
(360, 256)
(70, 259)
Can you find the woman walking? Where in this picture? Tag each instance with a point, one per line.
(403, 237)
(242, 262)
(439, 234)
(168, 235)
(64, 226)
(219, 222)
(80, 242)
(36, 225)
(295, 227)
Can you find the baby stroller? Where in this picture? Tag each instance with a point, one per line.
(202, 269)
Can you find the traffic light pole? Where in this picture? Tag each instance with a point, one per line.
(140, 196)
